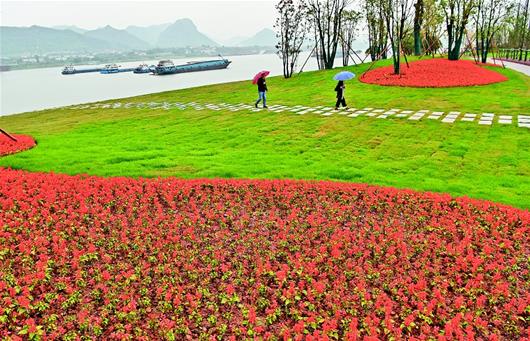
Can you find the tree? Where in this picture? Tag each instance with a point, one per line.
(396, 14)
(523, 26)
(326, 19)
(350, 22)
(418, 21)
(515, 28)
(457, 13)
(377, 37)
(432, 27)
(487, 19)
(291, 29)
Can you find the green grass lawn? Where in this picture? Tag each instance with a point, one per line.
(462, 158)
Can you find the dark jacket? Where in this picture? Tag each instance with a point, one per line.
(340, 89)
(262, 86)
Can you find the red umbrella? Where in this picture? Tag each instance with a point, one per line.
(259, 75)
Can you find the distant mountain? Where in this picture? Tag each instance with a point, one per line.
(40, 40)
(183, 33)
(234, 41)
(265, 37)
(149, 34)
(71, 28)
(119, 39)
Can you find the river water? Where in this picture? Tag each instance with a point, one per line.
(29, 90)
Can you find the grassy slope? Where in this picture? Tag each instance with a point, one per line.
(462, 159)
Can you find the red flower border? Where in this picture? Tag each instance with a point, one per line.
(168, 258)
(8, 146)
(434, 73)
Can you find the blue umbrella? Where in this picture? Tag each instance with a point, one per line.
(344, 76)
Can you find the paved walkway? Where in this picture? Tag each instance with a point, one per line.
(514, 66)
(483, 119)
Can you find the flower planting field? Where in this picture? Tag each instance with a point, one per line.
(118, 257)
(434, 73)
(8, 146)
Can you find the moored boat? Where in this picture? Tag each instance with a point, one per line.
(143, 68)
(110, 68)
(71, 70)
(166, 67)
(68, 70)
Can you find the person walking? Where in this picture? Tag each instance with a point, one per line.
(262, 89)
(340, 95)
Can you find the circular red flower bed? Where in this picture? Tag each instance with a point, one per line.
(8, 146)
(89, 257)
(434, 73)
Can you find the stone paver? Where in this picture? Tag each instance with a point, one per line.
(483, 119)
(451, 117)
(435, 115)
(416, 117)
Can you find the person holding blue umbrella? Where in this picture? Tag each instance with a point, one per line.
(341, 77)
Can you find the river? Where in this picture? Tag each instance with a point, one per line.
(37, 89)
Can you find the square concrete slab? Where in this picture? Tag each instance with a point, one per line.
(505, 121)
(353, 115)
(488, 123)
(468, 119)
(401, 115)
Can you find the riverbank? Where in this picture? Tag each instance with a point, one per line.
(23, 91)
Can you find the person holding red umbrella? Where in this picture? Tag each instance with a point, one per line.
(259, 79)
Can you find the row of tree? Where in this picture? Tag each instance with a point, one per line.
(399, 27)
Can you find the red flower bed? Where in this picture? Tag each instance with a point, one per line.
(115, 258)
(434, 73)
(8, 146)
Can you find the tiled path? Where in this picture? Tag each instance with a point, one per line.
(483, 119)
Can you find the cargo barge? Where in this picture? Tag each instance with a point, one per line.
(71, 70)
(166, 67)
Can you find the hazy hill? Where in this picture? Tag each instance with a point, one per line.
(233, 41)
(265, 37)
(149, 34)
(119, 39)
(71, 28)
(39, 40)
(183, 33)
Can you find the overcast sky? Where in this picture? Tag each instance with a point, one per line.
(220, 20)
